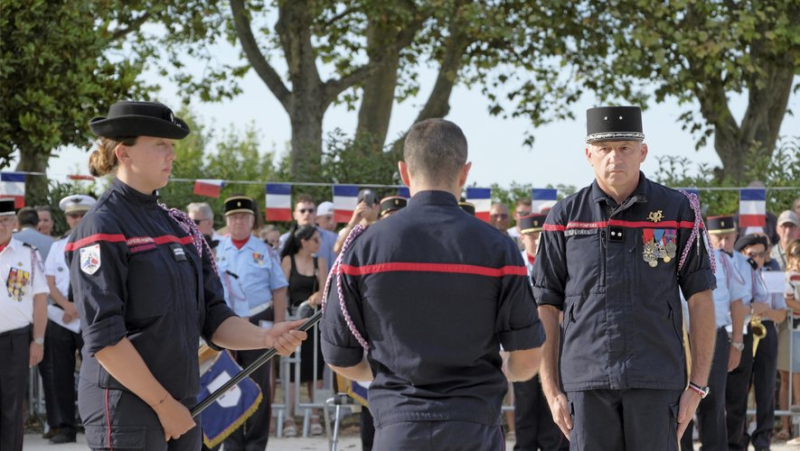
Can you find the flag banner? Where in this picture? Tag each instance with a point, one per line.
(12, 185)
(230, 411)
(752, 208)
(482, 199)
(345, 200)
(404, 192)
(80, 177)
(359, 391)
(278, 202)
(209, 188)
(543, 198)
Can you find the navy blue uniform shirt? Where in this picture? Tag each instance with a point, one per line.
(135, 273)
(435, 292)
(623, 319)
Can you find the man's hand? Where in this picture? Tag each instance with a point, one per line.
(559, 407)
(70, 313)
(358, 214)
(284, 338)
(315, 299)
(759, 308)
(36, 354)
(174, 417)
(688, 404)
(734, 358)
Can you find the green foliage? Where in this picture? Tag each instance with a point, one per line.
(55, 72)
(57, 191)
(782, 170)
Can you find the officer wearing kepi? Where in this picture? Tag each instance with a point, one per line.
(255, 288)
(62, 343)
(612, 259)
(426, 297)
(23, 318)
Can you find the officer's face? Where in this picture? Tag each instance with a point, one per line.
(305, 213)
(723, 241)
(7, 225)
(240, 225)
(616, 163)
(531, 242)
(74, 218)
(148, 163)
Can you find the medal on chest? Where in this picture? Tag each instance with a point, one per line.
(659, 244)
(17, 283)
(258, 259)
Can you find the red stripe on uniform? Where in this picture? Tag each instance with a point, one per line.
(621, 223)
(164, 239)
(93, 239)
(435, 267)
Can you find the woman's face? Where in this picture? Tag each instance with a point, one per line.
(149, 161)
(311, 244)
(757, 252)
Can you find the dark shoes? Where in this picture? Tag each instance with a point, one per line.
(50, 434)
(63, 437)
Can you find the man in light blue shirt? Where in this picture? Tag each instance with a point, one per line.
(305, 212)
(255, 287)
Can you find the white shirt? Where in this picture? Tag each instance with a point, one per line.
(56, 266)
(24, 278)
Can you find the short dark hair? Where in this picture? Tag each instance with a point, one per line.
(435, 149)
(304, 199)
(28, 216)
(45, 208)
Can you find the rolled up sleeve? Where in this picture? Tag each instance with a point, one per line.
(517, 324)
(550, 268)
(696, 274)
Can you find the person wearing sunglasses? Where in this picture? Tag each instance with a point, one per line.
(305, 213)
(203, 216)
(765, 360)
(146, 289)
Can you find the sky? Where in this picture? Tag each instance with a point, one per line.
(496, 146)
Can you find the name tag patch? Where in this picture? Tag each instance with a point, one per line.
(178, 252)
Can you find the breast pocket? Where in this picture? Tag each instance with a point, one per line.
(584, 261)
(151, 290)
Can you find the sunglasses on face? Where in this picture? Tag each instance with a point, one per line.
(499, 215)
(306, 210)
(523, 213)
(76, 215)
(756, 254)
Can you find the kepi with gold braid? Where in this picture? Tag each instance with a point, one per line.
(239, 204)
(532, 223)
(720, 225)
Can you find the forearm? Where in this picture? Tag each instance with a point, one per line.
(360, 372)
(737, 321)
(55, 294)
(776, 315)
(239, 334)
(39, 315)
(279, 304)
(703, 334)
(125, 364)
(548, 373)
(523, 365)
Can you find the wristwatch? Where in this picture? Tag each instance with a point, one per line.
(738, 345)
(702, 391)
(39, 341)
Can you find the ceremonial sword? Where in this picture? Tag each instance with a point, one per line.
(264, 358)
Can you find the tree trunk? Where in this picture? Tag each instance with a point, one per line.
(306, 153)
(377, 99)
(32, 159)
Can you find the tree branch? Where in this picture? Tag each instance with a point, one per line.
(262, 67)
(132, 27)
(335, 86)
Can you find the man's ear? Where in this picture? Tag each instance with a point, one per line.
(402, 167)
(462, 178)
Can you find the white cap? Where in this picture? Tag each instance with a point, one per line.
(788, 216)
(325, 209)
(76, 202)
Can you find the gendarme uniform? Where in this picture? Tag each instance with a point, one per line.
(141, 272)
(533, 422)
(22, 270)
(250, 274)
(432, 292)
(62, 343)
(616, 270)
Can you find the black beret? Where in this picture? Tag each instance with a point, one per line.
(751, 240)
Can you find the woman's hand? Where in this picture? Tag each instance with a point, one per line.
(284, 338)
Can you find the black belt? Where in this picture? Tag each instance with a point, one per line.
(20, 331)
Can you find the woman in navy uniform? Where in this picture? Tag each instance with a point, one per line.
(146, 290)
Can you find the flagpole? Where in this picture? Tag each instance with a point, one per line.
(264, 358)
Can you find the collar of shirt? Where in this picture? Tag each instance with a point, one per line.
(640, 194)
(141, 199)
(441, 198)
(250, 244)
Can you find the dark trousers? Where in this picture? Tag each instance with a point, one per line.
(619, 420)
(765, 366)
(15, 349)
(60, 347)
(535, 428)
(711, 411)
(367, 430)
(736, 396)
(120, 420)
(439, 436)
(254, 433)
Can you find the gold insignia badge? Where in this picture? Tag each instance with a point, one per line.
(656, 216)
